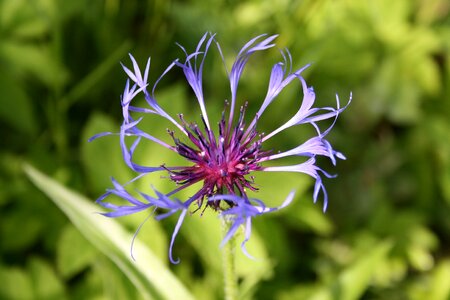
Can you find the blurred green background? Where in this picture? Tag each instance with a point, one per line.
(386, 234)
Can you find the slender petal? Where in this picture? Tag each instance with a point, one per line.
(312, 170)
(136, 76)
(314, 146)
(241, 61)
(194, 73)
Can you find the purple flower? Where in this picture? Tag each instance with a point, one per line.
(222, 161)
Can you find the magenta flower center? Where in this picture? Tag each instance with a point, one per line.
(221, 163)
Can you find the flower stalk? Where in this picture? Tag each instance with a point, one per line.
(229, 263)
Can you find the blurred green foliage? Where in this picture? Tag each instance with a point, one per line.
(386, 234)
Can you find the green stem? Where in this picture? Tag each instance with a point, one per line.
(229, 266)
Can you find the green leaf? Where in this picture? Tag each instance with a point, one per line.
(37, 60)
(147, 273)
(434, 285)
(440, 288)
(15, 284)
(19, 20)
(305, 214)
(91, 284)
(46, 284)
(74, 253)
(119, 287)
(16, 109)
(29, 224)
(352, 282)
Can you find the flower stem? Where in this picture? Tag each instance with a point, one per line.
(229, 266)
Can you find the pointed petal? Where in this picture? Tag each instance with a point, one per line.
(174, 235)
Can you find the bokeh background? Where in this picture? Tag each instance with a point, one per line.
(386, 233)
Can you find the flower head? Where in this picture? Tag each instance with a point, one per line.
(222, 161)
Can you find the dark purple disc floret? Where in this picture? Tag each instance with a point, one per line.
(221, 163)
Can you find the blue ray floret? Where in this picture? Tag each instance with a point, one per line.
(221, 161)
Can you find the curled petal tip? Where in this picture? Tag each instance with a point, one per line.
(288, 199)
(174, 261)
(98, 135)
(245, 251)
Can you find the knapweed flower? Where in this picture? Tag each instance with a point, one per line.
(222, 159)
